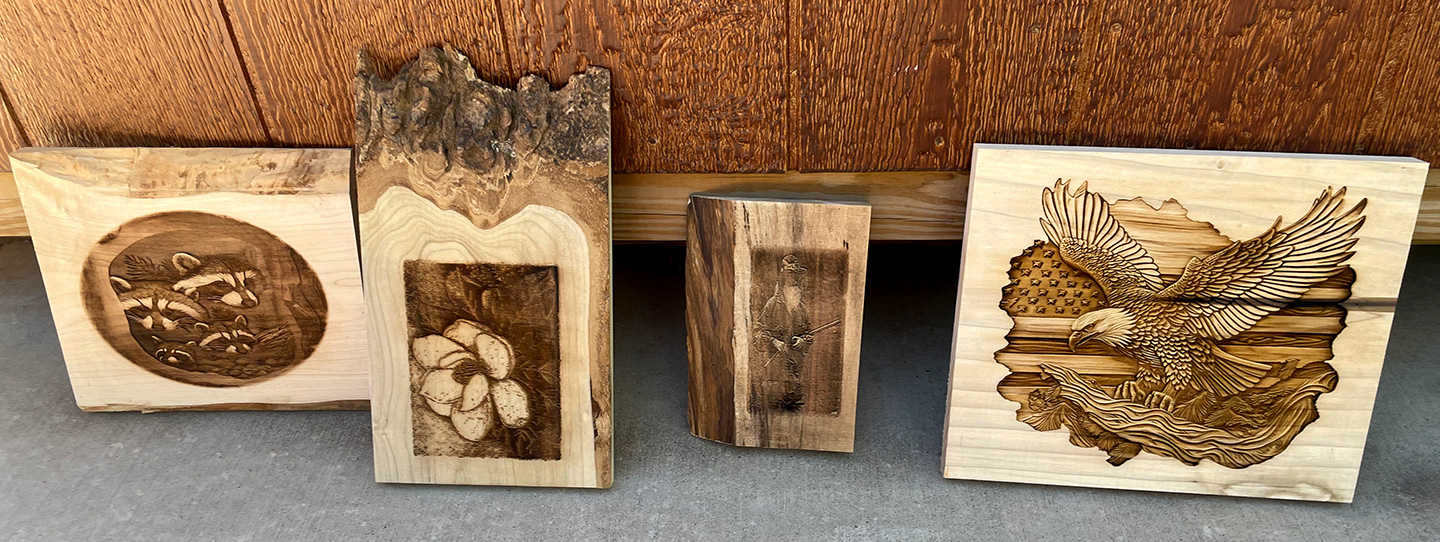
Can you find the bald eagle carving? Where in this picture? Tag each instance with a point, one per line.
(1172, 331)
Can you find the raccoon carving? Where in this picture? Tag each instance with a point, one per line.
(155, 305)
(175, 353)
(230, 337)
(222, 278)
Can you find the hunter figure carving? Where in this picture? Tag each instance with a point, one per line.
(1172, 331)
(785, 321)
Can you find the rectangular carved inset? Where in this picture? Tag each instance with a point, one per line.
(797, 305)
(782, 370)
(484, 359)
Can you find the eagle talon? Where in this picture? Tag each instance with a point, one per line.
(1160, 400)
(1128, 390)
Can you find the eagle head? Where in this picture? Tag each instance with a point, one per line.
(1112, 326)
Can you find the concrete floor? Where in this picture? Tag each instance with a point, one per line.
(66, 475)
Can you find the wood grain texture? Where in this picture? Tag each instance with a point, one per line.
(1264, 76)
(1403, 102)
(12, 213)
(301, 54)
(1014, 360)
(278, 221)
(814, 85)
(474, 198)
(10, 136)
(125, 73)
(905, 206)
(699, 86)
(880, 85)
(774, 293)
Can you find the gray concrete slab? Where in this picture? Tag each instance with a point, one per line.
(67, 475)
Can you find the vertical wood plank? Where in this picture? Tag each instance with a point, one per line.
(129, 72)
(873, 85)
(1268, 75)
(1403, 109)
(301, 54)
(699, 86)
(1026, 59)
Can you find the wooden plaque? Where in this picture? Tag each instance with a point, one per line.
(1200, 322)
(219, 279)
(485, 234)
(774, 291)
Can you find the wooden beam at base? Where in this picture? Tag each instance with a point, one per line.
(906, 205)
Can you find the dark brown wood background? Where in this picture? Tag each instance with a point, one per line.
(753, 85)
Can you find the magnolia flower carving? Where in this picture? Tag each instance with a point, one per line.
(465, 376)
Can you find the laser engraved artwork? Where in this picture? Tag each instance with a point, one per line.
(206, 299)
(1200, 380)
(484, 359)
(798, 336)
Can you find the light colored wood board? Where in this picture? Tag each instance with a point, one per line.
(301, 54)
(699, 86)
(497, 255)
(12, 213)
(774, 295)
(986, 437)
(276, 222)
(131, 72)
(905, 205)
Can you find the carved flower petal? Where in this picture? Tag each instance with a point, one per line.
(475, 423)
(440, 386)
(443, 409)
(430, 349)
(464, 331)
(455, 358)
(496, 356)
(511, 403)
(475, 392)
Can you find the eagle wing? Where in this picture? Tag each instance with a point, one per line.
(1227, 292)
(1090, 238)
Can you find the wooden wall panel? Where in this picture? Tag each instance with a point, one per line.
(301, 54)
(1404, 112)
(873, 85)
(755, 85)
(1268, 76)
(1027, 58)
(127, 72)
(699, 86)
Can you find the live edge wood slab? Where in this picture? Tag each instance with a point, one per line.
(774, 291)
(200, 279)
(1189, 321)
(485, 235)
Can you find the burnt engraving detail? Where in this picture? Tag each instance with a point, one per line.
(204, 299)
(484, 359)
(797, 304)
(1139, 329)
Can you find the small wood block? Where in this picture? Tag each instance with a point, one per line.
(1188, 321)
(200, 279)
(774, 292)
(485, 230)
